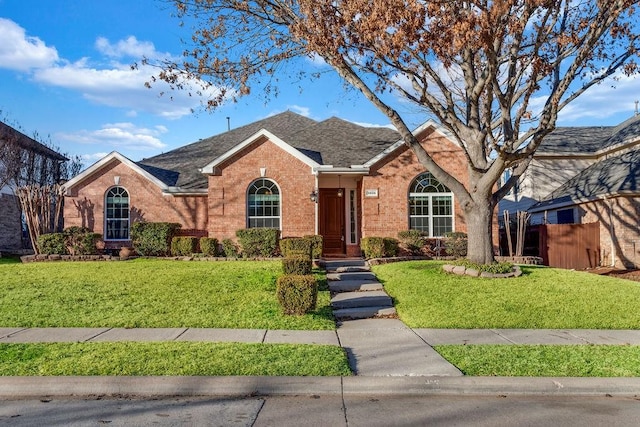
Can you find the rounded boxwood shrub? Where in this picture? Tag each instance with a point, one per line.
(258, 242)
(297, 264)
(183, 245)
(291, 246)
(230, 248)
(297, 294)
(379, 247)
(52, 244)
(209, 246)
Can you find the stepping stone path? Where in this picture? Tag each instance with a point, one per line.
(356, 292)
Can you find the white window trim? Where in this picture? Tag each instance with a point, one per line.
(106, 219)
(431, 216)
(248, 217)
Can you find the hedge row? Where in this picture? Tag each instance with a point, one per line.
(416, 243)
(297, 288)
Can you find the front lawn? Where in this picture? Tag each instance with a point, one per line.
(543, 298)
(150, 293)
(171, 358)
(544, 360)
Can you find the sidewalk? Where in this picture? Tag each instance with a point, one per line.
(387, 357)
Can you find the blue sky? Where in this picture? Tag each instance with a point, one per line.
(65, 73)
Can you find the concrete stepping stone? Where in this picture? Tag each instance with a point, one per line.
(355, 285)
(361, 299)
(363, 312)
(332, 265)
(350, 269)
(360, 275)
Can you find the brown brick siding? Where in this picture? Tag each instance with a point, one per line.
(619, 229)
(85, 206)
(228, 190)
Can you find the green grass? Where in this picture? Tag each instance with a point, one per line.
(426, 297)
(151, 293)
(544, 360)
(171, 358)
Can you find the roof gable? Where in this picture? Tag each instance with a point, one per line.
(114, 156)
(210, 167)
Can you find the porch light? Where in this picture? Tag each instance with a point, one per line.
(313, 196)
(339, 187)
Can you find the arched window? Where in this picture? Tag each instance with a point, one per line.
(263, 200)
(116, 214)
(430, 206)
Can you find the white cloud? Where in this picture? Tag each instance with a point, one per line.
(103, 80)
(130, 47)
(374, 125)
(21, 52)
(119, 136)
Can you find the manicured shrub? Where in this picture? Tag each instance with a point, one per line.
(296, 294)
(379, 247)
(373, 247)
(296, 246)
(258, 242)
(52, 244)
(230, 248)
(456, 244)
(81, 240)
(153, 238)
(297, 264)
(495, 268)
(390, 246)
(412, 240)
(316, 245)
(209, 246)
(183, 245)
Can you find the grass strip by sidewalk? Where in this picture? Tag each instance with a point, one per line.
(544, 360)
(152, 293)
(543, 298)
(171, 358)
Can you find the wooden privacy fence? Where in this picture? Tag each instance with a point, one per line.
(571, 246)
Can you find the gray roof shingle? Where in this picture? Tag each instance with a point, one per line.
(615, 175)
(589, 139)
(330, 142)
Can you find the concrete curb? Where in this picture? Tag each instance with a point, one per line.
(239, 386)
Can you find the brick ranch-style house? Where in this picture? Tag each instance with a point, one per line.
(333, 178)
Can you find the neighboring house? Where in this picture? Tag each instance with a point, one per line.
(585, 174)
(333, 178)
(30, 161)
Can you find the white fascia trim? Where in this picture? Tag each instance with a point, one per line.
(114, 155)
(209, 169)
(428, 124)
(343, 170)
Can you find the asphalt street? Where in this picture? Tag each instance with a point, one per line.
(317, 410)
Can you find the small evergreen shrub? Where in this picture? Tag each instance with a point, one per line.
(183, 245)
(52, 244)
(258, 242)
(297, 264)
(153, 238)
(80, 240)
(230, 248)
(296, 246)
(296, 294)
(412, 240)
(209, 246)
(391, 247)
(456, 244)
(379, 247)
(316, 245)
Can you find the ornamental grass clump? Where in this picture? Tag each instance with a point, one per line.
(297, 294)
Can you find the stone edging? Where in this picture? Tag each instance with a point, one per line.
(461, 270)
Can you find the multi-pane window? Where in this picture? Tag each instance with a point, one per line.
(430, 206)
(263, 199)
(117, 214)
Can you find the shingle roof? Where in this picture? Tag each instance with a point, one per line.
(615, 175)
(341, 143)
(589, 139)
(186, 161)
(330, 142)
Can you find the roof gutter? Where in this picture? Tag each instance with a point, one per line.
(177, 191)
(342, 170)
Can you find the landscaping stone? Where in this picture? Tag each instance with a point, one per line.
(472, 272)
(459, 270)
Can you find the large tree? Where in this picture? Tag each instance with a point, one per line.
(495, 73)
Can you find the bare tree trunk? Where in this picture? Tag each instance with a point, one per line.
(480, 237)
(38, 203)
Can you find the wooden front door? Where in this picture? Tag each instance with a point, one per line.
(331, 221)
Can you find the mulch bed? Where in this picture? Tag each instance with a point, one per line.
(620, 274)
